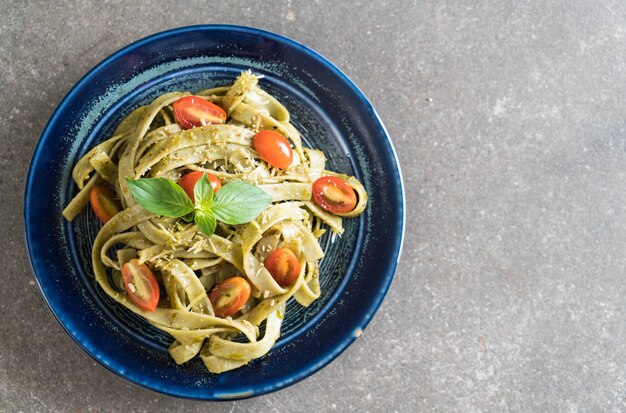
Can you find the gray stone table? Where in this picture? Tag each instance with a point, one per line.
(510, 120)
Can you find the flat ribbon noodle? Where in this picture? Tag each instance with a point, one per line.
(150, 142)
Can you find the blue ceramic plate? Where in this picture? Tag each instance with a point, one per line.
(331, 113)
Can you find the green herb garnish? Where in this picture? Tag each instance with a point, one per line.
(237, 202)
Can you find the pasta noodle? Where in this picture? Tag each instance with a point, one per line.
(188, 264)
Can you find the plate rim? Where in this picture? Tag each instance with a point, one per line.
(343, 343)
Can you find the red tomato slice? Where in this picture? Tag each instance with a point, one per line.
(141, 285)
(273, 148)
(192, 111)
(188, 182)
(102, 200)
(334, 194)
(284, 266)
(229, 296)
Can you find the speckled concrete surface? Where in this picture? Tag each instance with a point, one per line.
(510, 120)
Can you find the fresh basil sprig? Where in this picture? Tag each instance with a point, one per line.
(237, 202)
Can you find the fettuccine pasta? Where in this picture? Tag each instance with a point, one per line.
(192, 269)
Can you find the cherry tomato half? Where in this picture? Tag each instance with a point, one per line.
(273, 148)
(188, 182)
(284, 266)
(191, 111)
(102, 200)
(141, 285)
(229, 296)
(334, 194)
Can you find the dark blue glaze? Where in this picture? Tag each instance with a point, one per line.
(332, 114)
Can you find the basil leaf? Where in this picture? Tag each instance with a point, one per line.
(205, 220)
(160, 196)
(203, 193)
(239, 202)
